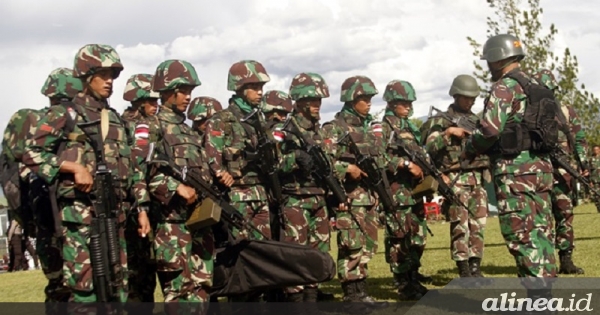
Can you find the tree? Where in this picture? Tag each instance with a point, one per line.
(523, 21)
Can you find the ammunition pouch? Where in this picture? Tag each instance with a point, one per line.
(205, 214)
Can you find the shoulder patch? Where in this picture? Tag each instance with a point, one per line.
(142, 131)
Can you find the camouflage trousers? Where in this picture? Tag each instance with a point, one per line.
(467, 225)
(399, 228)
(257, 211)
(418, 239)
(595, 199)
(562, 210)
(49, 249)
(141, 263)
(524, 210)
(184, 262)
(356, 240)
(306, 223)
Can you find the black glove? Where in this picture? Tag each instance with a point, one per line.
(304, 160)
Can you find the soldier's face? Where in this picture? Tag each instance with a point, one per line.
(496, 69)
(149, 106)
(253, 93)
(362, 104)
(596, 151)
(464, 103)
(183, 97)
(402, 108)
(276, 115)
(311, 106)
(101, 83)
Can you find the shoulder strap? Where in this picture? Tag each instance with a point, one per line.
(524, 82)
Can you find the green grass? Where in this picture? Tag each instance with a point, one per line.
(28, 286)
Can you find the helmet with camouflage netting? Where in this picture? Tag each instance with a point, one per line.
(276, 100)
(356, 86)
(305, 85)
(203, 107)
(139, 87)
(93, 57)
(398, 90)
(244, 72)
(62, 84)
(171, 74)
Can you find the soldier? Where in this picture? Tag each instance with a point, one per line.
(595, 173)
(141, 264)
(276, 105)
(355, 231)
(305, 213)
(405, 227)
(572, 141)
(522, 173)
(184, 257)
(444, 143)
(61, 150)
(200, 110)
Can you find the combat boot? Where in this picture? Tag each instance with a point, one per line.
(475, 269)
(311, 297)
(324, 296)
(352, 302)
(566, 263)
(463, 269)
(361, 288)
(406, 292)
(413, 278)
(424, 278)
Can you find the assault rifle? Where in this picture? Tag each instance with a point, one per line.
(192, 178)
(462, 121)
(560, 159)
(266, 153)
(429, 169)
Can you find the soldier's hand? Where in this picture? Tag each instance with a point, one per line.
(457, 132)
(446, 179)
(585, 173)
(143, 224)
(225, 178)
(415, 170)
(355, 172)
(83, 179)
(344, 206)
(187, 193)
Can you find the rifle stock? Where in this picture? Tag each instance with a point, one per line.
(558, 158)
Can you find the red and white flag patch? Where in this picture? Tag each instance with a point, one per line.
(279, 135)
(377, 129)
(142, 131)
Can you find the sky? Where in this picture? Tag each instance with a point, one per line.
(423, 42)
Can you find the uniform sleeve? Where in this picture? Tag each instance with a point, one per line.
(214, 143)
(392, 161)
(162, 186)
(436, 141)
(288, 156)
(581, 146)
(330, 138)
(39, 150)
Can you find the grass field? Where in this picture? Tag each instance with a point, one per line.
(27, 286)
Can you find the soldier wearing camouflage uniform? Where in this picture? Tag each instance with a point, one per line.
(572, 141)
(140, 261)
(444, 143)
(357, 227)
(276, 105)
(305, 212)
(184, 257)
(406, 227)
(97, 66)
(595, 173)
(523, 181)
(200, 110)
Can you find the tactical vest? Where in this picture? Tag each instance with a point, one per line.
(240, 158)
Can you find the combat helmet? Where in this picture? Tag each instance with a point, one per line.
(308, 84)
(464, 84)
(62, 84)
(356, 86)
(202, 107)
(170, 74)
(398, 90)
(92, 57)
(276, 100)
(244, 72)
(503, 46)
(139, 87)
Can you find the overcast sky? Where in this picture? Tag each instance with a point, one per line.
(421, 41)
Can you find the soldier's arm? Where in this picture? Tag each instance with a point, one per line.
(436, 141)
(214, 143)
(288, 156)
(330, 138)
(581, 146)
(392, 161)
(39, 153)
(162, 186)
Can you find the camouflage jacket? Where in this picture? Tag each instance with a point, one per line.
(395, 130)
(131, 114)
(15, 134)
(595, 169)
(185, 149)
(226, 142)
(445, 151)
(361, 131)
(506, 102)
(41, 154)
(294, 179)
(579, 148)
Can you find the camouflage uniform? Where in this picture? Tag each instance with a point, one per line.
(227, 141)
(562, 204)
(595, 178)
(184, 257)
(140, 255)
(355, 249)
(467, 225)
(406, 227)
(523, 182)
(305, 212)
(76, 209)
(200, 110)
